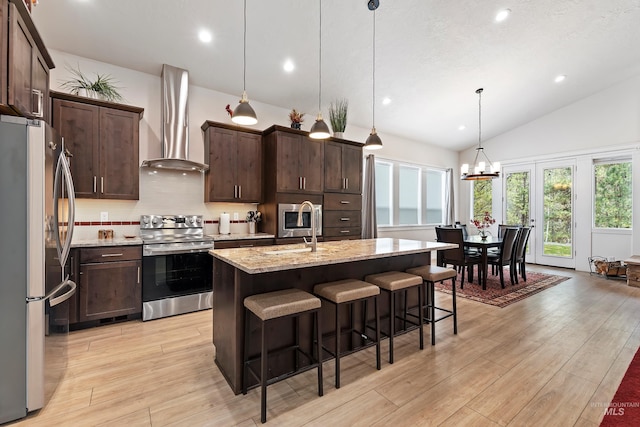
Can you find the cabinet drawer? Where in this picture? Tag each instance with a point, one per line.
(244, 243)
(344, 202)
(343, 232)
(111, 253)
(342, 219)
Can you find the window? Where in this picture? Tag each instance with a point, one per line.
(613, 204)
(482, 198)
(409, 194)
(383, 193)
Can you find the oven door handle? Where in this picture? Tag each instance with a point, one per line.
(156, 251)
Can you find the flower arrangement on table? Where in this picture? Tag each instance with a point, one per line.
(296, 118)
(483, 223)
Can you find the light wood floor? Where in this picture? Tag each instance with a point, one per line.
(550, 360)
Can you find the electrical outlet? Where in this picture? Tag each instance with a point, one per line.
(235, 216)
(104, 216)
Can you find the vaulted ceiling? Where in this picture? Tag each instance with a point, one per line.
(431, 55)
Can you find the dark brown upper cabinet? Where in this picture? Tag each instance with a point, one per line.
(103, 138)
(24, 76)
(342, 168)
(235, 163)
(294, 163)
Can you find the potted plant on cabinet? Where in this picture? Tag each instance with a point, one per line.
(296, 119)
(103, 87)
(338, 116)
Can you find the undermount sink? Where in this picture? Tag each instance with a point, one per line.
(290, 251)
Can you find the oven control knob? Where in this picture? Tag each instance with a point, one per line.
(156, 221)
(145, 220)
(198, 220)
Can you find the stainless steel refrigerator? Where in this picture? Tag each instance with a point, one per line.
(36, 216)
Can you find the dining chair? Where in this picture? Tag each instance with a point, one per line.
(505, 255)
(457, 257)
(503, 227)
(520, 253)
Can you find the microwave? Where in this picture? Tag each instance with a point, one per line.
(288, 221)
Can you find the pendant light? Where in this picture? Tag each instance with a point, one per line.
(373, 142)
(320, 130)
(244, 114)
(480, 171)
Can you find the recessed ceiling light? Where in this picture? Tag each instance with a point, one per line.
(560, 78)
(502, 15)
(386, 100)
(205, 36)
(289, 66)
(462, 127)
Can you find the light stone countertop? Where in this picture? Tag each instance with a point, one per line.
(264, 259)
(116, 241)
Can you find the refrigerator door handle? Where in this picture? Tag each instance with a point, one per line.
(55, 300)
(63, 173)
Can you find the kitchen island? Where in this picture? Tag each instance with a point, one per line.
(238, 273)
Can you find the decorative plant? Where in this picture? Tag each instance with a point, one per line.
(338, 115)
(254, 216)
(483, 223)
(296, 117)
(104, 85)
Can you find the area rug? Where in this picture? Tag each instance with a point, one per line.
(494, 294)
(624, 408)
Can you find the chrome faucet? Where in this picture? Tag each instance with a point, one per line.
(314, 240)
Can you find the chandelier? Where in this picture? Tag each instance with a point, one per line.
(483, 168)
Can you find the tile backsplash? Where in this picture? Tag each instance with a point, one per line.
(162, 192)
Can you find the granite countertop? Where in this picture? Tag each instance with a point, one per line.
(265, 259)
(116, 241)
(220, 237)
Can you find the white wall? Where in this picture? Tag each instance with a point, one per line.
(172, 192)
(590, 128)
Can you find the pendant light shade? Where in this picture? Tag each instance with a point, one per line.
(320, 130)
(483, 169)
(244, 113)
(373, 142)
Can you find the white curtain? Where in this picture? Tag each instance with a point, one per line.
(369, 223)
(450, 209)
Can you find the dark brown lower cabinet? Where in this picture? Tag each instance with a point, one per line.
(111, 287)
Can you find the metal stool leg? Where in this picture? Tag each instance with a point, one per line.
(263, 375)
(316, 318)
(455, 311)
(375, 302)
(392, 321)
(432, 297)
(337, 345)
(245, 358)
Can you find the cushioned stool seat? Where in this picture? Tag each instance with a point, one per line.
(349, 291)
(431, 274)
(394, 282)
(275, 305)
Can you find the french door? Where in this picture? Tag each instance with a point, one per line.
(542, 195)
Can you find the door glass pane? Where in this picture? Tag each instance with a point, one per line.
(517, 200)
(383, 193)
(613, 206)
(408, 195)
(557, 205)
(482, 198)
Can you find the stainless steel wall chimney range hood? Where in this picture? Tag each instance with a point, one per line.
(175, 123)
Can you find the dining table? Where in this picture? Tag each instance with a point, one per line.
(483, 244)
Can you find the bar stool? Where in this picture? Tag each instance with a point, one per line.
(394, 282)
(350, 291)
(277, 305)
(432, 274)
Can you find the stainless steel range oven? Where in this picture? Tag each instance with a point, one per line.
(177, 271)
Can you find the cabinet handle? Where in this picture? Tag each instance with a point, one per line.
(344, 231)
(235, 191)
(95, 185)
(299, 183)
(246, 246)
(138, 275)
(304, 182)
(110, 255)
(345, 219)
(40, 111)
(102, 184)
(346, 186)
(344, 202)
(239, 191)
